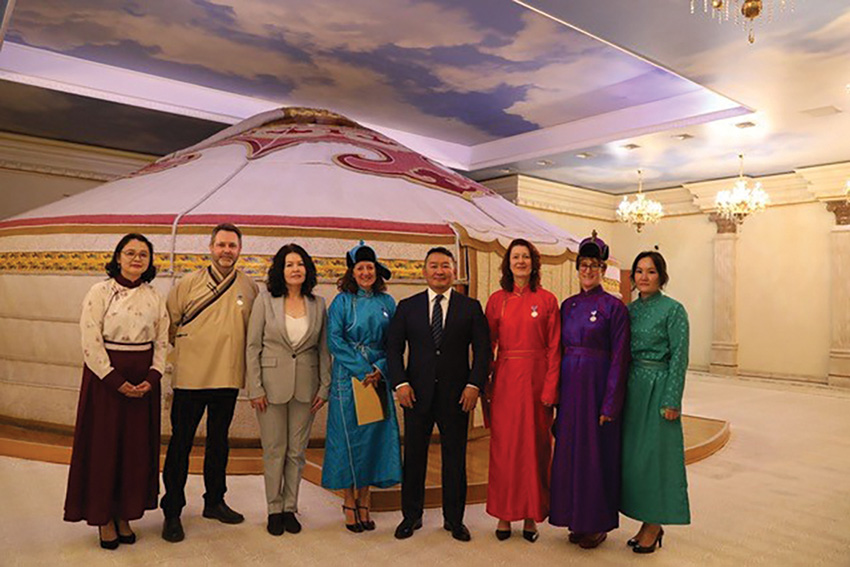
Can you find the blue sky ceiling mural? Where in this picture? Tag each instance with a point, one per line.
(467, 72)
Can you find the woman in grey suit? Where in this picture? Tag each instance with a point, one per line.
(288, 376)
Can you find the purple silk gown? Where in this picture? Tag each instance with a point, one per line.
(585, 489)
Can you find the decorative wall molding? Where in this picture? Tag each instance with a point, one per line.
(544, 195)
(724, 225)
(64, 159)
(826, 182)
(841, 209)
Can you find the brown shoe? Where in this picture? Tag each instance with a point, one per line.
(592, 540)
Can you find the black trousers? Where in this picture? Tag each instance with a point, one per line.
(187, 410)
(452, 423)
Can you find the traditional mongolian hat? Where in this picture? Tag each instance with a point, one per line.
(592, 247)
(364, 253)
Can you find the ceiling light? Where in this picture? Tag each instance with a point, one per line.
(743, 125)
(585, 155)
(630, 146)
(683, 136)
(739, 202)
(640, 211)
(745, 12)
(544, 162)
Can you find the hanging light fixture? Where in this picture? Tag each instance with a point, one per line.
(641, 211)
(741, 201)
(744, 12)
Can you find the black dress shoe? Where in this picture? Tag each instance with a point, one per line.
(172, 530)
(591, 541)
(129, 538)
(459, 531)
(356, 527)
(368, 525)
(406, 528)
(576, 537)
(638, 548)
(502, 535)
(223, 513)
(291, 523)
(107, 543)
(275, 524)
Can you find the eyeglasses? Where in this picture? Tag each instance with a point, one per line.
(589, 267)
(141, 254)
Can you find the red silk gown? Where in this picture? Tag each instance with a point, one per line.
(525, 329)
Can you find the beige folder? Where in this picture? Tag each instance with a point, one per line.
(367, 403)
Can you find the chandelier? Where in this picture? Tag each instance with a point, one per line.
(738, 203)
(744, 12)
(641, 211)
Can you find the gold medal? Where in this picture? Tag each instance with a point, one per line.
(239, 300)
(534, 311)
(593, 316)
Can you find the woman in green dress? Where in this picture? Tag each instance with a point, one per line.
(655, 488)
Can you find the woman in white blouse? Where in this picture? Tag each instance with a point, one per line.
(288, 377)
(114, 473)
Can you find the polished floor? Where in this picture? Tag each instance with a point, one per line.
(778, 495)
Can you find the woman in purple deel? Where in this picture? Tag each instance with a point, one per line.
(585, 494)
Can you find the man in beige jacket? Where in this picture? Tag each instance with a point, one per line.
(209, 312)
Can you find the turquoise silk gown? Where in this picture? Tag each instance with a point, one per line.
(357, 456)
(654, 487)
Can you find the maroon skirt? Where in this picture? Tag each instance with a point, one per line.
(115, 461)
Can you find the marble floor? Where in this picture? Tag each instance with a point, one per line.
(777, 495)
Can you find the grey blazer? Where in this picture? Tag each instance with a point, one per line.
(278, 369)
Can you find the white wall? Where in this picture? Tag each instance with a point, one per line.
(783, 291)
(783, 263)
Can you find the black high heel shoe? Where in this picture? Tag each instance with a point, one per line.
(356, 527)
(502, 535)
(530, 535)
(632, 542)
(638, 548)
(129, 539)
(107, 544)
(369, 524)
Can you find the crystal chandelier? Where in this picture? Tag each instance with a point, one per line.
(738, 203)
(744, 12)
(641, 211)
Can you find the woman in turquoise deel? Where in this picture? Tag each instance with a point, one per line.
(655, 487)
(358, 457)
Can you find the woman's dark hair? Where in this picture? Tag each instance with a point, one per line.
(348, 284)
(657, 260)
(275, 280)
(113, 267)
(507, 279)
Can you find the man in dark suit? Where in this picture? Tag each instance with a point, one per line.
(438, 386)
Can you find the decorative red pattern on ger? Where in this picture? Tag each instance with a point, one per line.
(394, 159)
(164, 164)
(243, 220)
(320, 222)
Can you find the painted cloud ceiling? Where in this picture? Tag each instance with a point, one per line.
(467, 72)
(491, 86)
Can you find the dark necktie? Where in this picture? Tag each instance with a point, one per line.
(437, 320)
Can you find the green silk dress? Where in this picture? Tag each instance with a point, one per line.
(654, 487)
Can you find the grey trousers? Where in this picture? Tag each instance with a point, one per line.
(284, 432)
